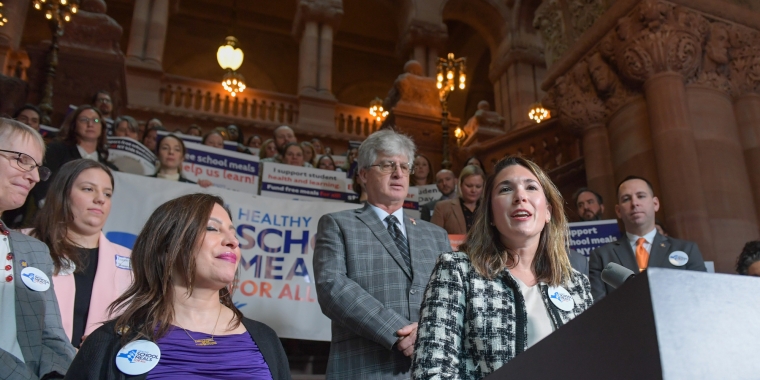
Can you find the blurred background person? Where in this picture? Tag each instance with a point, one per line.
(235, 135)
(328, 150)
(589, 204)
(475, 161)
(102, 100)
(446, 182)
(32, 341)
(268, 149)
(214, 139)
(748, 263)
(84, 138)
(154, 122)
(517, 245)
(309, 154)
(423, 173)
(660, 228)
(254, 142)
(185, 261)
(326, 162)
(457, 215)
(293, 155)
(318, 147)
(29, 115)
(150, 137)
(194, 130)
(126, 126)
(90, 272)
(171, 155)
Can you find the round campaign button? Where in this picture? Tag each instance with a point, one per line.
(35, 279)
(138, 357)
(678, 258)
(561, 298)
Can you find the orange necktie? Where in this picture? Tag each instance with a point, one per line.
(642, 256)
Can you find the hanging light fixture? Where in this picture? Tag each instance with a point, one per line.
(230, 58)
(537, 111)
(377, 111)
(447, 69)
(3, 20)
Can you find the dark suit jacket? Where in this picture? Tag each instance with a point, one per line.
(96, 359)
(56, 155)
(427, 208)
(620, 252)
(365, 288)
(448, 215)
(578, 261)
(43, 343)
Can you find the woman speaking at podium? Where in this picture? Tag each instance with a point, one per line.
(177, 320)
(510, 285)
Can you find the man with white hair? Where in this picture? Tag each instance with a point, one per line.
(372, 265)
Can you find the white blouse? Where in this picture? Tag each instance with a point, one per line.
(539, 323)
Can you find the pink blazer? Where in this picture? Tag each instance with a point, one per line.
(112, 277)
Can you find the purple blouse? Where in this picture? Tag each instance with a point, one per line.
(233, 357)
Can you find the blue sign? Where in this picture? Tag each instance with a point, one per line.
(588, 236)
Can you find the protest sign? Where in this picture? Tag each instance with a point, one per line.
(411, 203)
(277, 238)
(302, 183)
(228, 145)
(126, 151)
(588, 236)
(224, 168)
(428, 193)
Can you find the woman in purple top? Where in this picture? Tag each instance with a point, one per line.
(184, 263)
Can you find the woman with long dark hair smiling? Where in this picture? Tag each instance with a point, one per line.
(90, 271)
(514, 265)
(185, 261)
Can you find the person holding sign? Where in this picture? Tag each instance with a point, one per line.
(90, 271)
(371, 265)
(33, 345)
(177, 319)
(643, 246)
(423, 172)
(456, 215)
(171, 155)
(510, 286)
(293, 155)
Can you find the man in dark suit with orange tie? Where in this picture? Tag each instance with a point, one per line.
(642, 246)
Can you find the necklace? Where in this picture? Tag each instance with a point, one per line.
(205, 341)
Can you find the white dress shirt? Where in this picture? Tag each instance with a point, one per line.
(399, 214)
(632, 239)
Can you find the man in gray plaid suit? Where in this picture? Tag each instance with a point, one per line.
(32, 341)
(372, 265)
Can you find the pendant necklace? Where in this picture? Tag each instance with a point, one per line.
(205, 341)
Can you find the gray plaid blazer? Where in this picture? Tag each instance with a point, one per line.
(364, 287)
(40, 334)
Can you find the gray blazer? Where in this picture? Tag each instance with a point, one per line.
(364, 287)
(40, 334)
(620, 252)
(578, 261)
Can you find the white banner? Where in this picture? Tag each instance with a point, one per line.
(411, 203)
(277, 237)
(339, 161)
(302, 183)
(224, 168)
(228, 145)
(123, 149)
(428, 193)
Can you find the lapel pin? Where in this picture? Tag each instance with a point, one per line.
(414, 222)
(662, 244)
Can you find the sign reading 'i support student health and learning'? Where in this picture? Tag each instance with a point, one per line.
(302, 183)
(588, 236)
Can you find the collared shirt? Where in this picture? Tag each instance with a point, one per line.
(399, 214)
(8, 337)
(451, 195)
(647, 245)
(90, 156)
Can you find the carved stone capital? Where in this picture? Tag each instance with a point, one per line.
(657, 37)
(713, 71)
(516, 49)
(322, 11)
(425, 34)
(744, 66)
(607, 83)
(554, 31)
(574, 100)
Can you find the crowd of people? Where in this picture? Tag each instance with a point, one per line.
(400, 299)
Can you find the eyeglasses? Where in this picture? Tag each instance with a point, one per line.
(103, 100)
(26, 163)
(387, 167)
(87, 120)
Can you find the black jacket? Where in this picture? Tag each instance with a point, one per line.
(96, 359)
(57, 154)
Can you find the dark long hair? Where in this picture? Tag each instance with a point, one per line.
(52, 221)
(164, 248)
(488, 254)
(70, 135)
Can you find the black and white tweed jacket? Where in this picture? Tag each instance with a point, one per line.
(470, 326)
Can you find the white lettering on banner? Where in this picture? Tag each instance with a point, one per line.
(127, 148)
(428, 193)
(224, 168)
(277, 237)
(302, 183)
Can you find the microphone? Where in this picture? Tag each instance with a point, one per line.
(615, 275)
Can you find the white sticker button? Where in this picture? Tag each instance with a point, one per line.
(678, 258)
(561, 298)
(138, 357)
(35, 279)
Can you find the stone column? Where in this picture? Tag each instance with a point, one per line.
(147, 36)
(307, 59)
(10, 34)
(598, 160)
(422, 40)
(660, 44)
(325, 59)
(747, 110)
(138, 31)
(156, 37)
